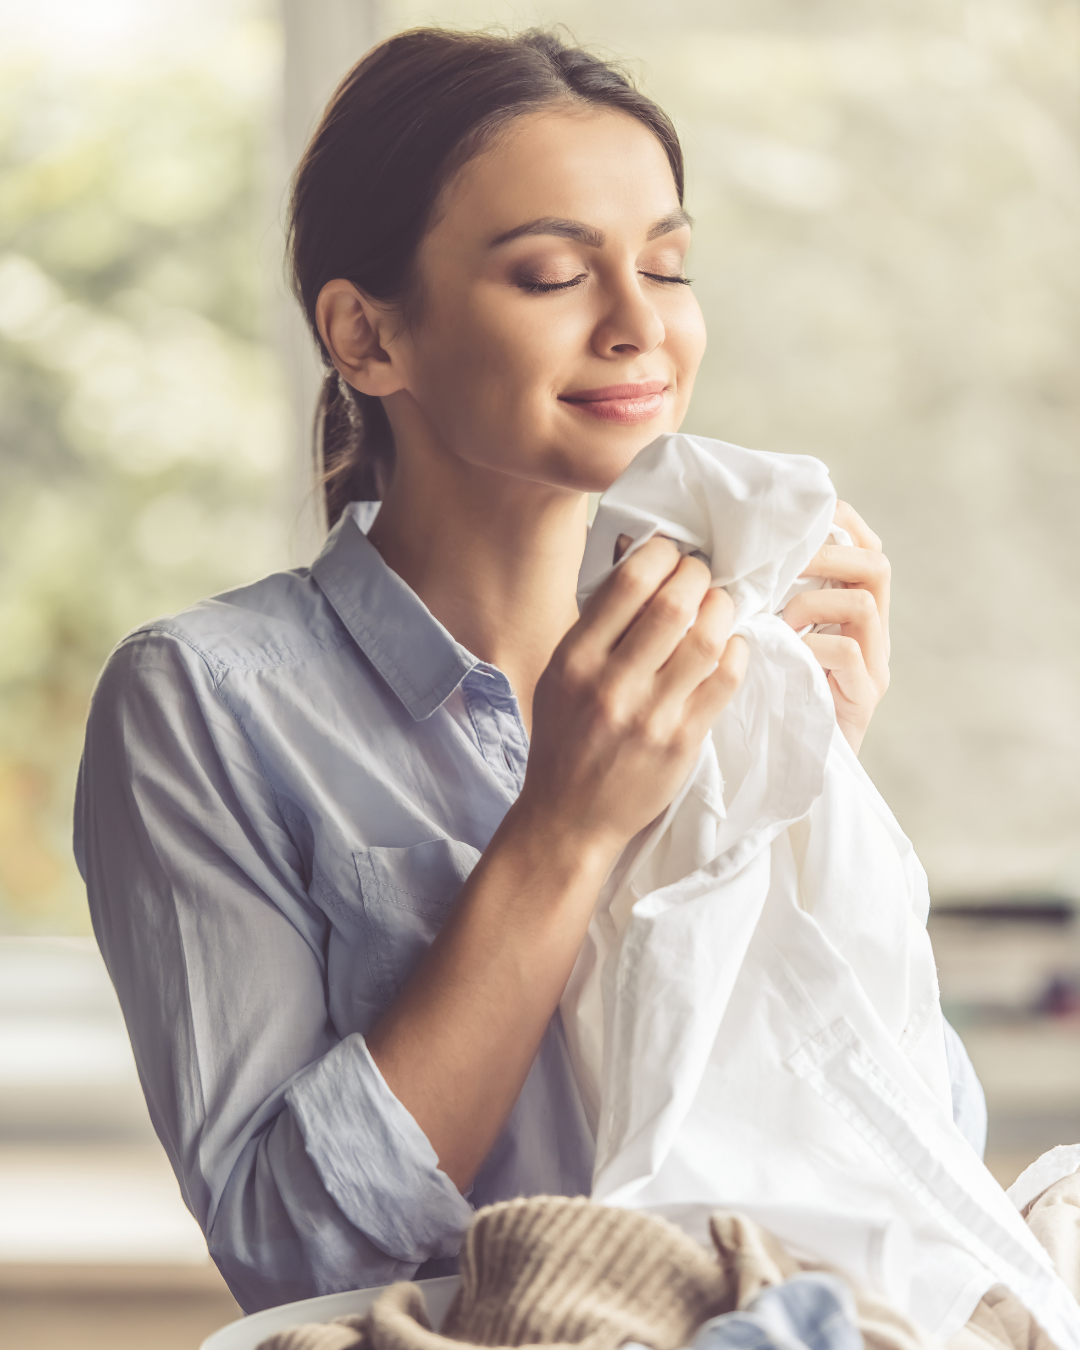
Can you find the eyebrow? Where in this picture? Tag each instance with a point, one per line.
(588, 234)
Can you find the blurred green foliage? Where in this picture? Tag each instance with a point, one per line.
(142, 441)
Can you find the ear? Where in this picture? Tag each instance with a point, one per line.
(359, 335)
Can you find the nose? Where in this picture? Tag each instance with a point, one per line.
(630, 324)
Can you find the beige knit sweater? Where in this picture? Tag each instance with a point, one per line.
(557, 1272)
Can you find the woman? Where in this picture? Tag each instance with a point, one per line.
(342, 830)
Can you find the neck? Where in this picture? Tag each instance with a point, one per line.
(494, 558)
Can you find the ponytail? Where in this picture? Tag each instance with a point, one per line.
(353, 445)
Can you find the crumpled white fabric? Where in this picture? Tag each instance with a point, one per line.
(754, 1017)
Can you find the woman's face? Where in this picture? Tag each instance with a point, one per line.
(556, 336)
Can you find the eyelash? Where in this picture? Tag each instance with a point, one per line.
(545, 287)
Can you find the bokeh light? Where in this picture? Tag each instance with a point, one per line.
(143, 427)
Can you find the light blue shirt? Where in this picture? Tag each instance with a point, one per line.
(282, 791)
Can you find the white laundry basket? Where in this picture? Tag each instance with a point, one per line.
(250, 1331)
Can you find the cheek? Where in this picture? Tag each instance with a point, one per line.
(496, 358)
(483, 383)
(528, 338)
(685, 340)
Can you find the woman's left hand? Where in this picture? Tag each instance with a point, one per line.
(856, 659)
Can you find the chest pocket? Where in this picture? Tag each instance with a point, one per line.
(407, 894)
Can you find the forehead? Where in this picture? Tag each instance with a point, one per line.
(601, 167)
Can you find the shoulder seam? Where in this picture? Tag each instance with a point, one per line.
(218, 679)
(220, 667)
(215, 668)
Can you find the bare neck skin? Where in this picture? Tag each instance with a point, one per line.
(495, 558)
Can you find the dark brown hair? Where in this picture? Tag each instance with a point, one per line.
(404, 119)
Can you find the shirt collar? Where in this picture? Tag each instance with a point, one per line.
(396, 631)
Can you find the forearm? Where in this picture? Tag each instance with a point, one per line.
(456, 1046)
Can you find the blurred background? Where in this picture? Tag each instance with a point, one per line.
(887, 198)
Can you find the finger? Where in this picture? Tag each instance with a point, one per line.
(713, 694)
(625, 540)
(859, 567)
(698, 654)
(857, 614)
(849, 519)
(612, 608)
(842, 658)
(665, 620)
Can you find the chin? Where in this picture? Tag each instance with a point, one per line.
(592, 461)
(608, 464)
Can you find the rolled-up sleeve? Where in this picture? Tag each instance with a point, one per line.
(354, 1166)
(306, 1174)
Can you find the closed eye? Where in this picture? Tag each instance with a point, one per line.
(545, 287)
(542, 287)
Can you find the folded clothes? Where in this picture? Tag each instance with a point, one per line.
(556, 1272)
(754, 1018)
(808, 1310)
(553, 1272)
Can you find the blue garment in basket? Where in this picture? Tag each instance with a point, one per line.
(810, 1310)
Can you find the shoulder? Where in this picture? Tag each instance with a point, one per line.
(280, 620)
(177, 667)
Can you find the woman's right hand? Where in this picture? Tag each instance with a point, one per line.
(629, 695)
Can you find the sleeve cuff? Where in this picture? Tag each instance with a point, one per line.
(373, 1158)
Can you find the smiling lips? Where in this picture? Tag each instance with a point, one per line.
(620, 402)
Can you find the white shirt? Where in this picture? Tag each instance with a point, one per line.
(754, 1018)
